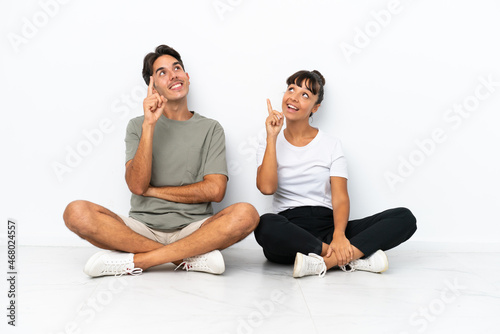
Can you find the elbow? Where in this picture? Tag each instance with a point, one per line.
(267, 190)
(218, 198)
(137, 189)
(267, 186)
(218, 194)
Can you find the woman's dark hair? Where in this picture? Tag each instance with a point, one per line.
(162, 50)
(313, 80)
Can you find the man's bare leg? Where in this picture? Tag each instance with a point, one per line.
(105, 229)
(222, 230)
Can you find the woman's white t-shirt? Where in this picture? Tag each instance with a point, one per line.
(304, 172)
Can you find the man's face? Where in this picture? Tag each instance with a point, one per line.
(170, 80)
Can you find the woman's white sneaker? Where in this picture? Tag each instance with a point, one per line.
(311, 264)
(211, 262)
(375, 263)
(107, 262)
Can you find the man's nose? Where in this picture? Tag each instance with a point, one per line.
(172, 75)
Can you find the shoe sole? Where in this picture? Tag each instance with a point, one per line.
(386, 261)
(90, 263)
(297, 266)
(221, 259)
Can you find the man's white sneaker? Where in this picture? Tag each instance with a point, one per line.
(211, 262)
(111, 263)
(376, 263)
(311, 264)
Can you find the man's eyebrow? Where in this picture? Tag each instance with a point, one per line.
(173, 65)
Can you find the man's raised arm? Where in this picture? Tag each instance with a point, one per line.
(138, 169)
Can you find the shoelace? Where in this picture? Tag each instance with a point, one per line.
(194, 263)
(121, 269)
(186, 266)
(351, 269)
(355, 265)
(133, 272)
(321, 264)
(360, 264)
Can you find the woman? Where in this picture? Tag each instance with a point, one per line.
(306, 171)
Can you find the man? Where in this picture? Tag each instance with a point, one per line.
(175, 168)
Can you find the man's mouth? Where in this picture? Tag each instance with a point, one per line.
(176, 86)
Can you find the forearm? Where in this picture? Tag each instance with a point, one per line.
(138, 171)
(340, 215)
(211, 189)
(267, 173)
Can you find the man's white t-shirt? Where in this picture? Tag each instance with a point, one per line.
(304, 172)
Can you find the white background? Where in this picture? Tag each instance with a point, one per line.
(394, 72)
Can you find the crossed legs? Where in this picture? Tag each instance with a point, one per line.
(106, 230)
(310, 229)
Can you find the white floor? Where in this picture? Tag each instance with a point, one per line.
(422, 292)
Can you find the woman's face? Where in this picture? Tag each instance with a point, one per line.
(299, 102)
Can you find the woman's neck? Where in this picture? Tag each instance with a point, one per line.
(299, 133)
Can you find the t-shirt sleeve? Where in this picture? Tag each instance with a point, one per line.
(339, 162)
(216, 155)
(132, 139)
(261, 149)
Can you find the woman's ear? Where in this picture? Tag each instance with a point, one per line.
(315, 108)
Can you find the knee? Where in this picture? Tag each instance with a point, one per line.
(265, 223)
(76, 216)
(408, 218)
(268, 229)
(246, 216)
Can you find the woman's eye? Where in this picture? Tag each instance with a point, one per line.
(305, 95)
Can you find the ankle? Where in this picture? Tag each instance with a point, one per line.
(140, 261)
(330, 261)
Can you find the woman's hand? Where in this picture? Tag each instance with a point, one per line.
(274, 122)
(342, 248)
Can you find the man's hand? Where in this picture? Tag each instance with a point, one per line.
(342, 248)
(153, 104)
(274, 121)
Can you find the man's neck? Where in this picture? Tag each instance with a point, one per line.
(177, 111)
